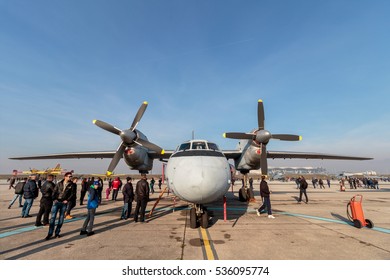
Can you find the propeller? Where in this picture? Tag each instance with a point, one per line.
(262, 137)
(129, 137)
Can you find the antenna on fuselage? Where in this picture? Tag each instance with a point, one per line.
(193, 134)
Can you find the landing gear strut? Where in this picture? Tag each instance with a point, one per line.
(199, 216)
(245, 194)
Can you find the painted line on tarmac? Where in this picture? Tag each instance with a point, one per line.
(383, 230)
(209, 252)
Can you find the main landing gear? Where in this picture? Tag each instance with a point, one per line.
(199, 216)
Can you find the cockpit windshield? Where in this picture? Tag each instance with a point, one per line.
(213, 146)
(198, 145)
(184, 146)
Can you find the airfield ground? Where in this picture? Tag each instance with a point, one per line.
(318, 230)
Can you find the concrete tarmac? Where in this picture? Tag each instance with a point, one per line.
(318, 230)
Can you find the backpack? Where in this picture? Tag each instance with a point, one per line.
(19, 187)
(304, 185)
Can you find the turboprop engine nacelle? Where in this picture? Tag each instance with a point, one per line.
(250, 158)
(137, 159)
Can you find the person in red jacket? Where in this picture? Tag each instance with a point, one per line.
(116, 186)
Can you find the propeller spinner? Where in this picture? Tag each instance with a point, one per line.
(129, 137)
(262, 137)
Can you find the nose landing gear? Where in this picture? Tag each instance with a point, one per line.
(199, 216)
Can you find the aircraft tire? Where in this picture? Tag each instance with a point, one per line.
(205, 220)
(369, 223)
(242, 196)
(357, 223)
(193, 219)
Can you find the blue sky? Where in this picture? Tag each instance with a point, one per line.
(322, 69)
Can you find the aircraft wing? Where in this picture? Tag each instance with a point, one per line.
(235, 154)
(107, 154)
(232, 154)
(78, 155)
(305, 155)
(166, 155)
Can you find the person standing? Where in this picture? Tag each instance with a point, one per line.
(92, 205)
(84, 189)
(142, 197)
(265, 195)
(100, 189)
(151, 186)
(72, 202)
(128, 197)
(12, 182)
(62, 194)
(116, 186)
(18, 193)
(30, 192)
(159, 183)
(302, 189)
(328, 181)
(46, 201)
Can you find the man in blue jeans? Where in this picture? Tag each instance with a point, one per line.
(61, 195)
(30, 192)
(264, 192)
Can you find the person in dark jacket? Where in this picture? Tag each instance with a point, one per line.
(72, 202)
(265, 195)
(62, 194)
(46, 201)
(128, 197)
(142, 198)
(93, 203)
(18, 193)
(30, 192)
(84, 189)
(302, 189)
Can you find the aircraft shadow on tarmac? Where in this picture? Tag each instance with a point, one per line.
(66, 237)
(235, 208)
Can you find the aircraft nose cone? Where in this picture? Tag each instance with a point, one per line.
(199, 179)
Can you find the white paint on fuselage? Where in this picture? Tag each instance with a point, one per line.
(198, 179)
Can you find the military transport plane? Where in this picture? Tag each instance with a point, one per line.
(197, 171)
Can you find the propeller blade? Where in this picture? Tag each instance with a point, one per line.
(114, 162)
(287, 137)
(260, 114)
(263, 160)
(139, 115)
(150, 146)
(107, 126)
(238, 135)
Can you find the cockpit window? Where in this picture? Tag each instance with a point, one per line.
(213, 146)
(184, 146)
(199, 146)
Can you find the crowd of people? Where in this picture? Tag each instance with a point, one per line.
(59, 198)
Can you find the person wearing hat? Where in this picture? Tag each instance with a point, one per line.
(142, 198)
(128, 197)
